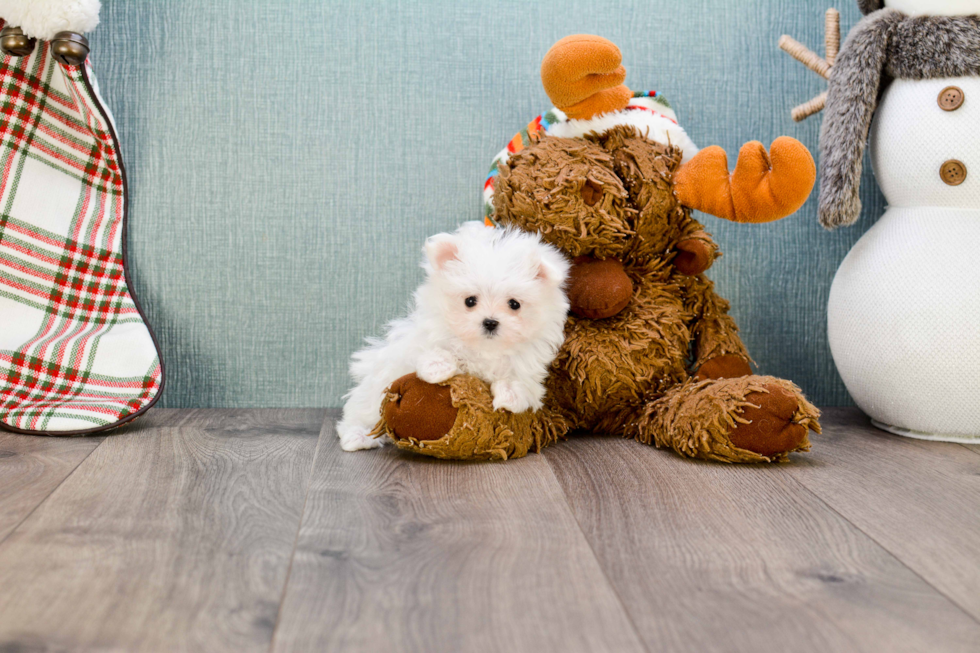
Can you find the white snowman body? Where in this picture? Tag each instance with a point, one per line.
(904, 309)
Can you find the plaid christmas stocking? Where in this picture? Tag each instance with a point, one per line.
(76, 355)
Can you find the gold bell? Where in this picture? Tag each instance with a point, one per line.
(14, 42)
(69, 48)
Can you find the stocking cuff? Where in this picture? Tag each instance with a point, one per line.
(42, 19)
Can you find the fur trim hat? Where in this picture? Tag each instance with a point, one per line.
(868, 6)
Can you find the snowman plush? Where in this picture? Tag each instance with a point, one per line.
(904, 309)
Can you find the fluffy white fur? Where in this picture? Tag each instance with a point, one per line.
(444, 336)
(656, 128)
(43, 19)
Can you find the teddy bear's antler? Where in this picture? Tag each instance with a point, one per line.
(764, 187)
(583, 75)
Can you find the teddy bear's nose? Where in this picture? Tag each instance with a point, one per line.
(592, 192)
(490, 324)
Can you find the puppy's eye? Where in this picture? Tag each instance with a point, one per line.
(514, 304)
(470, 302)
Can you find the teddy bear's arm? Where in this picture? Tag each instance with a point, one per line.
(718, 350)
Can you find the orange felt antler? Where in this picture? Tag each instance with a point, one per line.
(583, 75)
(764, 187)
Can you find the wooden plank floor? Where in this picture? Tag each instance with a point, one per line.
(249, 530)
(31, 469)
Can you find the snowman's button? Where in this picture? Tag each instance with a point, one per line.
(953, 172)
(951, 98)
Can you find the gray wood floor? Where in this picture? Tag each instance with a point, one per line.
(250, 530)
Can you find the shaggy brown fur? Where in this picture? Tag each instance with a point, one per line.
(611, 196)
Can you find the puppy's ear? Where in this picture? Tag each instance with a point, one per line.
(551, 269)
(440, 250)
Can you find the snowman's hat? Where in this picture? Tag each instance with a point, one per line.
(869, 6)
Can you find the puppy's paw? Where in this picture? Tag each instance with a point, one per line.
(355, 438)
(437, 366)
(512, 397)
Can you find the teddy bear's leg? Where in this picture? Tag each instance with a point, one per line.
(748, 419)
(456, 420)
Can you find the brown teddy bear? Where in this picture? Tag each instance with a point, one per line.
(650, 352)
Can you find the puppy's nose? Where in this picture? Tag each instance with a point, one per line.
(490, 324)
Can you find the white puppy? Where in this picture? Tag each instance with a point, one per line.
(492, 305)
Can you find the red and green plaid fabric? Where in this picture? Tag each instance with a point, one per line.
(75, 353)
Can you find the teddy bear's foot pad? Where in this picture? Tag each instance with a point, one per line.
(417, 410)
(768, 425)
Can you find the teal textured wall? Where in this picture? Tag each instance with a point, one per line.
(288, 158)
